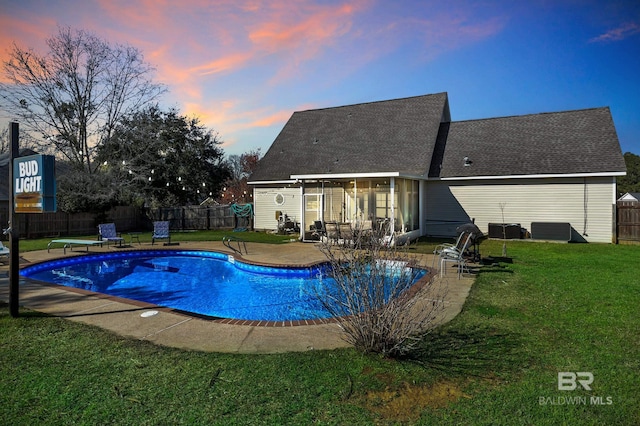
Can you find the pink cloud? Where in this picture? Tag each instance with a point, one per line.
(441, 31)
(26, 35)
(300, 32)
(202, 49)
(226, 63)
(302, 26)
(623, 31)
(279, 117)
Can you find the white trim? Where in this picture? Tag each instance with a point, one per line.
(346, 175)
(614, 191)
(541, 176)
(270, 182)
(301, 212)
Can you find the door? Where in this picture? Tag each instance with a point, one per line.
(312, 212)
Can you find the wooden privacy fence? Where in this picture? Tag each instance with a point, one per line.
(628, 222)
(38, 225)
(196, 217)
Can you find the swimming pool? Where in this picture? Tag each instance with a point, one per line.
(205, 283)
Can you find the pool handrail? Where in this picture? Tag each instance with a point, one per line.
(227, 241)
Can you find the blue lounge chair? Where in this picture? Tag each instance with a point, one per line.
(161, 231)
(108, 233)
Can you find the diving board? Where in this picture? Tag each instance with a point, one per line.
(69, 243)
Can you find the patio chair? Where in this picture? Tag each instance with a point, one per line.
(448, 246)
(108, 233)
(456, 256)
(318, 230)
(346, 234)
(161, 231)
(331, 229)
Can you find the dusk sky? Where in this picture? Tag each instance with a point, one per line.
(243, 67)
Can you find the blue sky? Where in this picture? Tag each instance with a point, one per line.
(243, 67)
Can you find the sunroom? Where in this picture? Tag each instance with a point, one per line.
(388, 204)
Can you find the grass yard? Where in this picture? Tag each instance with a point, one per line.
(555, 308)
(176, 236)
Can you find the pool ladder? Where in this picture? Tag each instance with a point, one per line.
(227, 241)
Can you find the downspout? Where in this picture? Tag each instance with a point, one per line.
(302, 223)
(421, 207)
(585, 205)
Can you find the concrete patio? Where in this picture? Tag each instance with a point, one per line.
(169, 328)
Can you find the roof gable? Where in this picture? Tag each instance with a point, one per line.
(569, 142)
(387, 136)
(630, 196)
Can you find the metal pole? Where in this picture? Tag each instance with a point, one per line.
(14, 246)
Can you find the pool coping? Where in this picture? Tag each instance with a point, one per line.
(172, 329)
(416, 287)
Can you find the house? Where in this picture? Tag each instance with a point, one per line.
(405, 164)
(630, 196)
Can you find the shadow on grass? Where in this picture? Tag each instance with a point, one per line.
(23, 313)
(480, 352)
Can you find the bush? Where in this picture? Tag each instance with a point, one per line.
(373, 296)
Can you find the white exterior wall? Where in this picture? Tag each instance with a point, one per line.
(265, 206)
(587, 203)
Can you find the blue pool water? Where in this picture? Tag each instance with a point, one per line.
(201, 282)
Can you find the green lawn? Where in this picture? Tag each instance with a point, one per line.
(176, 236)
(555, 308)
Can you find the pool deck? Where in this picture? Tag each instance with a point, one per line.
(170, 328)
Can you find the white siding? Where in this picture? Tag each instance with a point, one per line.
(586, 203)
(265, 206)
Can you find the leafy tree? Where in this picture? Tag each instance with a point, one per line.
(161, 158)
(241, 167)
(79, 191)
(630, 182)
(74, 95)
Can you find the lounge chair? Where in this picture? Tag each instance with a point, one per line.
(108, 233)
(161, 231)
(68, 243)
(456, 255)
(448, 246)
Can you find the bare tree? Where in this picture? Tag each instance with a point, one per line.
(502, 206)
(75, 94)
(376, 293)
(241, 166)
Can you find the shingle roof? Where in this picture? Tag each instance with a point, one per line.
(413, 136)
(582, 141)
(387, 136)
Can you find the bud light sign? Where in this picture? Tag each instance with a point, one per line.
(34, 186)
